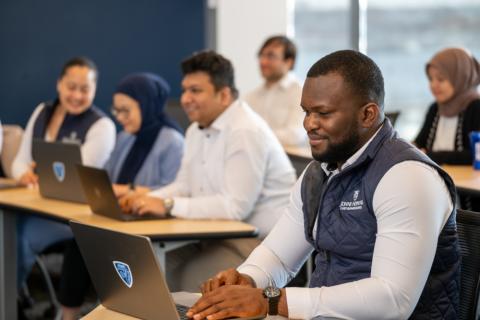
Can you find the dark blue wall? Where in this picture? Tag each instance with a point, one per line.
(121, 36)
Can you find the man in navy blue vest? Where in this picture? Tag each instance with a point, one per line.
(378, 213)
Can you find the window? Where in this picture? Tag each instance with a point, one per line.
(321, 27)
(402, 35)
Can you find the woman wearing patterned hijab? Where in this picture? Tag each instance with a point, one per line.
(454, 75)
(147, 154)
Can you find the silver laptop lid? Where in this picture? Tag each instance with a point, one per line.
(100, 196)
(55, 166)
(125, 272)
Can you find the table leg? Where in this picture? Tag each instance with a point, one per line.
(8, 263)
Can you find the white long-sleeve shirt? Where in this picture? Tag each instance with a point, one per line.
(235, 169)
(411, 204)
(279, 105)
(95, 151)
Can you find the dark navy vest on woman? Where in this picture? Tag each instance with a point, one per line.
(347, 227)
(74, 127)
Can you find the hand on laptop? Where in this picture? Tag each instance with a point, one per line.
(225, 278)
(137, 203)
(29, 177)
(230, 301)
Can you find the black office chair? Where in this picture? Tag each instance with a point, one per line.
(468, 226)
(392, 116)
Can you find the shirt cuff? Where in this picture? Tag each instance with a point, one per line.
(180, 207)
(257, 274)
(299, 302)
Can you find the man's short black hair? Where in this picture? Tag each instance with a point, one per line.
(79, 62)
(361, 74)
(219, 68)
(289, 48)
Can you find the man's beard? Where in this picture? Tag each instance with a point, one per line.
(339, 152)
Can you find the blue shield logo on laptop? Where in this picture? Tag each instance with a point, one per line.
(59, 170)
(123, 271)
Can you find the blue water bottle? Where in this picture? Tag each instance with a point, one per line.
(475, 147)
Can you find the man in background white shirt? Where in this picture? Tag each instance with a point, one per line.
(378, 212)
(277, 100)
(233, 168)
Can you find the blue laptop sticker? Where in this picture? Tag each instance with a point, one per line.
(59, 170)
(123, 271)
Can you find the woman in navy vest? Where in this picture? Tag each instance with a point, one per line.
(71, 118)
(147, 155)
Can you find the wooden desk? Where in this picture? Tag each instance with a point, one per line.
(171, 233)
(102, 313)
(466, 179)
(183, 298)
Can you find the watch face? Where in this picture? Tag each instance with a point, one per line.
(271, 292)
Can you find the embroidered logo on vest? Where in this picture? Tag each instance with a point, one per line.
(73, 138)
(352, 205)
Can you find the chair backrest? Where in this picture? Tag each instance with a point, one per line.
(12, 137)
(468, 226)
(392, 116)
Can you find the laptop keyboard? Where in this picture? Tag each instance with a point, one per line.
(182, 312)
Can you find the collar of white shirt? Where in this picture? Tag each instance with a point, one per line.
(224, 119)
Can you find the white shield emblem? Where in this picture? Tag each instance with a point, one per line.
(355, 195)
(59, 170)
(123, 271)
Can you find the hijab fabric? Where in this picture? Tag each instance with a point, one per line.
(151, 93)
(463, 72)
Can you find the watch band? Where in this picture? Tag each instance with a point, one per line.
(272, 293)
(273, 305)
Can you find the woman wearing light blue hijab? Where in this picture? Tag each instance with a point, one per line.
(147, 155)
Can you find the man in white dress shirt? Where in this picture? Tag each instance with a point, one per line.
(233, 168)
(277, 100)
(379, 214)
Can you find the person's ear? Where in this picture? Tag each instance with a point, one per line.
(289, 63)
(58, 84)
(369, 115)
(226, 96)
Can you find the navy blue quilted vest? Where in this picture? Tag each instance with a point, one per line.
(346, 225)
(74, 127)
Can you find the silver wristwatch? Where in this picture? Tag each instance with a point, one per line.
(168, 204)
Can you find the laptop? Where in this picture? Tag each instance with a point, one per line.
(57, 175)
(126, 274)
(99, 194)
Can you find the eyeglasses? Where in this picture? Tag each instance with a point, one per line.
(117, 111)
